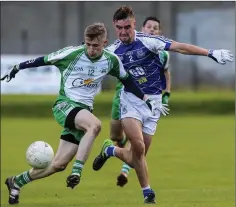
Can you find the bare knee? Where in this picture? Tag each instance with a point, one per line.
(86, 121)
(58, 166)
(138, 148)
(95, 127)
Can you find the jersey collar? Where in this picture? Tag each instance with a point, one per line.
(135, 33)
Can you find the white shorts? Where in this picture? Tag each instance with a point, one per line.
(133, 107)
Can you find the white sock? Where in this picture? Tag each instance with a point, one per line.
(146, 188)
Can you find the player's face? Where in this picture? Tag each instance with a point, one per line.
(151, 27)
(125, 29)
(95, 47)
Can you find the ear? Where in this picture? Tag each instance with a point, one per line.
(142, 29)
(105, 42)
(134, 23)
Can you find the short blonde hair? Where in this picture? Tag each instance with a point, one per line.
(96, 30)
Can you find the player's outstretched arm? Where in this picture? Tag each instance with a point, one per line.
(220, 56)
(51, 59)
(132, 87)
(11, 73)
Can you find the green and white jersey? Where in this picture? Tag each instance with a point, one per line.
(81, 77)
(165, 59)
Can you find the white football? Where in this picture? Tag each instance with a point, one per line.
(39, 154)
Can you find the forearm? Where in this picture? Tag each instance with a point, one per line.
(188, 49)
(132, 87)
(37, 62)
(168, 81)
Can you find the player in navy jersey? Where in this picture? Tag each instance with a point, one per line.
(151, 25)
(139, 54)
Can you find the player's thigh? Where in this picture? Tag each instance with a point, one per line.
(131, 118)
(85, 120)
(65, 112)
(75, 116)
(132, 128)
(133, 131)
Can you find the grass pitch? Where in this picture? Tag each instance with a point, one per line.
(191, 164)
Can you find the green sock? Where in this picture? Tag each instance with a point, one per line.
(125, 168)
(78, 167)
(22, 179)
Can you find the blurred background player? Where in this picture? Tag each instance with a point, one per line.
(151, 25)
(139, 53)
(83, 69)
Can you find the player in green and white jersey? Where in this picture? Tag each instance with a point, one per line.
(151, 25)
(82, 70)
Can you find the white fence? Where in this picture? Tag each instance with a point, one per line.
(41, 80)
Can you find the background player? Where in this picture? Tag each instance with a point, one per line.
(152, 25)
(82, 71)
(137, 50)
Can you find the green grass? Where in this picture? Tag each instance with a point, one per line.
(191, 164)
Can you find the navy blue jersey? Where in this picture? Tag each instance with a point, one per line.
(143, 60)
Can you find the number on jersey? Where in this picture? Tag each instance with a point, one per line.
(138, 71)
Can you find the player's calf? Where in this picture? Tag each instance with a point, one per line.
(117, 134)
(86, 121)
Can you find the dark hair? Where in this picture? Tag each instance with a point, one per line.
(123, 12)
(95, 30)
(152, 19)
